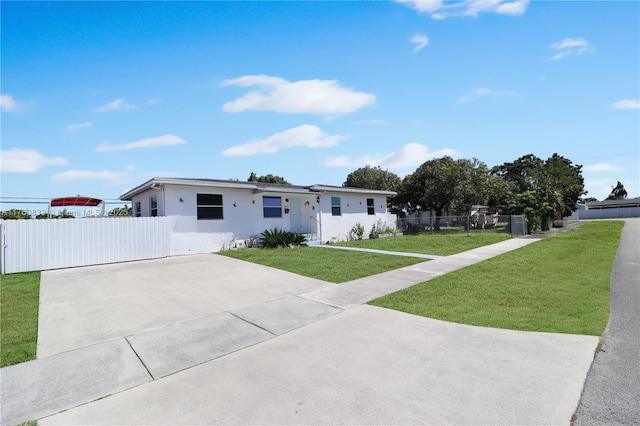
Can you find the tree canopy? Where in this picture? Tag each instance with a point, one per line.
(14, 214)
(618, 192)
(446, 184)
(368, 177)
(267, 179)
(542, 190)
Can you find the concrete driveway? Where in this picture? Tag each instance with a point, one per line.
(213, 340)
(84, 306)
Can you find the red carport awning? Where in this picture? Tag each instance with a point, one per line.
(77, 200)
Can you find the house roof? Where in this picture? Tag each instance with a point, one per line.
(613, 204)
(255, 187)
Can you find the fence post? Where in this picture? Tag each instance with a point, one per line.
(2, 262)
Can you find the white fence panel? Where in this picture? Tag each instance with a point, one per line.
(35, 245)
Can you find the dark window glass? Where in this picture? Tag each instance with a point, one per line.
(154, 206)
(210, 199)
(210, 213)
(370, 207)
(209, 206)
(272, 206)
(335, 206)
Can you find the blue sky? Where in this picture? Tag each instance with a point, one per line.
(98, 97)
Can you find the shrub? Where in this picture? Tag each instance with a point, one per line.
(380, 227)
(357, 231)
(272, 238)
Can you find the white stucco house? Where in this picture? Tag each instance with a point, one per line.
(208, 215)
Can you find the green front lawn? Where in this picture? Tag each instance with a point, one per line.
(19, 296)
(443, 243)
(332, 265)
(559, 284)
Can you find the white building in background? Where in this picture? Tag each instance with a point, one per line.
(208, 215)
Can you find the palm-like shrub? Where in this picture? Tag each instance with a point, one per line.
(272, 238)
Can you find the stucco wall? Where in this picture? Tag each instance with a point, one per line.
(243, 216)
(353, 210)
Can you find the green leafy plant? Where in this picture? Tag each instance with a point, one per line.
(380, 227)
(273, 238)
(357, 231)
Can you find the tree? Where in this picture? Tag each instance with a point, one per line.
(542, 190)
(445, 183)
(14, 214)
(618, 192)
(368, 177)
(588, 199)
(267, 179)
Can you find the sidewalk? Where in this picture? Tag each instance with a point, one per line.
(255, 364)
(354, 293)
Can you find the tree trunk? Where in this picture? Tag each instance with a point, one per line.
(436, 225)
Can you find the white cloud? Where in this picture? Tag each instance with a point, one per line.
(439, 9)
(627, 104)
(598, 188)
(570, 46)
(153, 101)
(74, 127)
(483, 91)
(8, 104)
(165, 140)
(514, 8)
(306, 136)
(320, 97)
(409, 156)
(20, 160)
(602, 167)
(116, 104)
(72, 175)
(420, 41)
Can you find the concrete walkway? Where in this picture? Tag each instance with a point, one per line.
(279, 348)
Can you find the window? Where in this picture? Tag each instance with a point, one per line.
(138, 209)
(209, 206)
(335, 206)
(370, 208)
(154, 205)
(272, 206)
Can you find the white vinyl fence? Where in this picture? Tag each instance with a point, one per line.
(35, 245)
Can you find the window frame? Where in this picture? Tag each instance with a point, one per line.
(153, 200)
(273, 208)
(214, 204)
(336, 209)
(371, 206)
(138, 209)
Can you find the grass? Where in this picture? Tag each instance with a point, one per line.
(443, 243)
(559, 284)
(19, 297)
(336, 266)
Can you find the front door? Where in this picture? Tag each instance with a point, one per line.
(295, 215)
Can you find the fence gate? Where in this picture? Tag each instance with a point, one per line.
(35, 245)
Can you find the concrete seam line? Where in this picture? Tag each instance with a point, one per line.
(255, 325)
(141, 361)
(298, 296)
